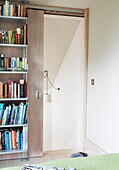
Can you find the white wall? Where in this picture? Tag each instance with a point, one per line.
(65, 114)
(103, 98)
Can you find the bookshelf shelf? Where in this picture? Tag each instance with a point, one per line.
(13, 18)
(13, 99)
(13, 45)
(12, 151)
(10, 126)
(13, 72)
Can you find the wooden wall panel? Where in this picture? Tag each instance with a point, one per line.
(35, 81)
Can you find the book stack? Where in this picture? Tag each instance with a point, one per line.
(11, 114)
(13, 89)
(11, 139)
(13, 63)
(14, 37)
(12, 10)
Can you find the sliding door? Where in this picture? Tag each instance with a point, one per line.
(35, 82)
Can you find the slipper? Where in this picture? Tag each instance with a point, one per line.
(79, 154)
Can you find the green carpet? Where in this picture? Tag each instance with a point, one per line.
(102, 162)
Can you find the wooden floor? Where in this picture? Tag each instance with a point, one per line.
(90, 148)
(48, 156)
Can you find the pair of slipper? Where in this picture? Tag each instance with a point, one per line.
(79, 154)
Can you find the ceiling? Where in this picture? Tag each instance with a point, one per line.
(65, 3)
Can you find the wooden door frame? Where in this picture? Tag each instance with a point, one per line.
(74, 12)
(85, 64)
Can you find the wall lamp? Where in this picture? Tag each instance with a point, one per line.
(46, 76)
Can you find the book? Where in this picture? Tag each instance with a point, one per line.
(18, 36)
(12, 114)
(25, 34)
(1, 89)
(10, 139)
(7, 144)
(5, 115)
(10, 88)
(0, 140)
(3, 140)
(5, 90)
(20, 112)
(8, 114)
(2, 60)
(1, 112)
(14, 139)
(11, 10)
(18, 139)
(0, 10)
(25, 136)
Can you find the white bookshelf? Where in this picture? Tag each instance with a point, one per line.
(12, 151)
(15, 125)
(13, 45)
(12, 23)
(13, 99)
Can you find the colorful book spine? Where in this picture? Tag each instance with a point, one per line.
(12, 10)
(0, 140)
(3, 140)
(1, 112)
(10, 88)
(1, 89)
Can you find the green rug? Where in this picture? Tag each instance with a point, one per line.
(102, 162)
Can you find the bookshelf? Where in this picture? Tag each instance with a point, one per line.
(13, 97)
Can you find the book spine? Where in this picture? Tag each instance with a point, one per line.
(11, 10)
(3, 140)
(10, 140)
(0, 10)
(21, 90)
(18, 139)
(5, 63)
(15, 142)
(11, 32)
(25, 141)
(19, 10)
(10, 88)
(1, 89)
(0, 140)
(25, 34)
(12, 114)
(1, 112)
(5, 91)
(18, 36)
(24, 11)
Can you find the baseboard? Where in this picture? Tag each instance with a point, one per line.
(92, 149)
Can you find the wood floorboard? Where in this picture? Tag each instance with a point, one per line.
(47, 156)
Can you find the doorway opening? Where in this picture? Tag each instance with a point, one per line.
(64, 61)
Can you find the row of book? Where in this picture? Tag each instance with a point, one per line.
(13, 89)
(13, 63)
(13, 114)
(12, 10)
(11, 139)
(14, 37)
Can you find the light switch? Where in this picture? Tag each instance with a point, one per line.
(38, 94)
(92, 81)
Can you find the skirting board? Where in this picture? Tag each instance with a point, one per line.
(92, 149)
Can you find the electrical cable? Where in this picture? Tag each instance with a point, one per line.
(46, 76)
(52, 84)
